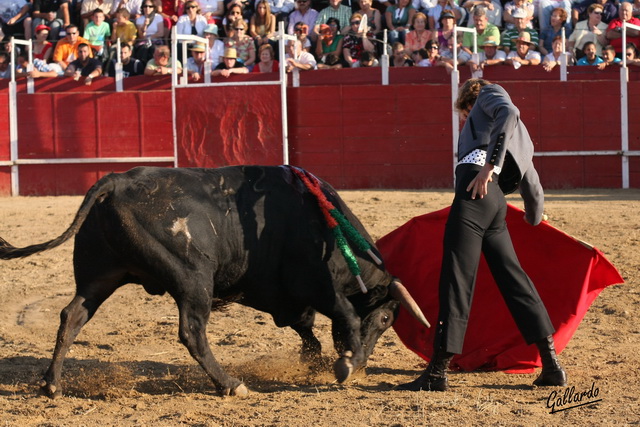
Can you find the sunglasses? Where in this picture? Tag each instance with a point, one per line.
(192, 7)
(239, 29)
(148, 6)
(355, 23)
(434, 48)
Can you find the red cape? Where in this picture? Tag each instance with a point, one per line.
(568, 274)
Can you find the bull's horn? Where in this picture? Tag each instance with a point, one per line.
(400, 293)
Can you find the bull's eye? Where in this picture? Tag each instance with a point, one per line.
(385, 319)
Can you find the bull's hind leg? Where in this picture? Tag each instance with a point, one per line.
(194, 315)
(311, 350)
(72, 318)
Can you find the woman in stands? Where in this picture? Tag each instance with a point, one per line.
(268, 63)
(238, 39)
(398, 17)
(262, 26)
(418, 37)
(41, 46)
(192, 22)
(591, 29)
(355, 41)
(374, 17)
(557, 22)
(329, 46)
(150, 24)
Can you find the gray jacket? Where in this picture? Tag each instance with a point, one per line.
(494, 125)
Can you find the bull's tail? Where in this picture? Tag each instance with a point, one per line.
(98, 192)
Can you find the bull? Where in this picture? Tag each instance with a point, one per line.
(248, 234)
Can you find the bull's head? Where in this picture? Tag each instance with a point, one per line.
(377, 314)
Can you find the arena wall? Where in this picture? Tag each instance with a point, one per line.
(343, 125)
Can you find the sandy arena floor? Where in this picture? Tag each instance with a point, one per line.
(127, 366)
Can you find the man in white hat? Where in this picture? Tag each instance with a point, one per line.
(488, 55)
(509, 36)
(524, 54)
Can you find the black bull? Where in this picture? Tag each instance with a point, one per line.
(248, 234)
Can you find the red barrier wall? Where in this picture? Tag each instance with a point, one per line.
(343, 125)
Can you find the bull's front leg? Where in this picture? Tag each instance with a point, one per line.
(311, 350)
(346, 338)
(194, 314)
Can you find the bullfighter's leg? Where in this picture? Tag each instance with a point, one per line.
(346, 337)
(194, 315)
(311, 348)
(72, 318)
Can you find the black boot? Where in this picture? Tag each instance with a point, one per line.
(434, 378)
(552, 373)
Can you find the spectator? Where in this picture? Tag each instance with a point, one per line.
(89, 7)
(67, 48)
(399, 57)
(123, 28)
(493, 11)
(430, 57)
(614, 30)
(546, 8)
(445, 32)
(301, 32)
(212, 10)
(589, 57)
(590, 30)
(374, 17)
(329, 46)
(262, 25)
(216, 46)
(367, 60)
(192, 21)
(636, 8)
(558, 21)
(488, 56)
(447, 55)
(97, 32)
(553, 58)
(243, 44)
(133, 7)
(442, 6)
(633, 55)
(229, 64)
(151, 29)
(268, 63)
(484, 30)
(15, 18)
(298, 58)
(130, 66)
(524, 54)
(398, 18)
(52, 13)
(608, 57)
(170, 10)
(305, 14)
(281, 9)
(355, 42)
(334, 10)
(509, 36)
(161, 63)
(418, 37)
(85, 66)
(246, 5)
(420, 5)
(5, 65)
(580, 11)
(42, 48)
(195, 64)
(525, 10)
(40, 68)
(234, 11)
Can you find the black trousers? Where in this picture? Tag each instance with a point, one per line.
(475, 227)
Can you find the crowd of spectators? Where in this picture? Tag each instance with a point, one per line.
(78, 38)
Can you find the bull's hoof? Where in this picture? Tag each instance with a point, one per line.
(49, 389)
(343, 368)
(240, 390)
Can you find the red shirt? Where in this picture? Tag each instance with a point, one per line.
(617, 43)
(274, 68)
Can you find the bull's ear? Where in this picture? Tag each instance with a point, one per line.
(400, 293)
